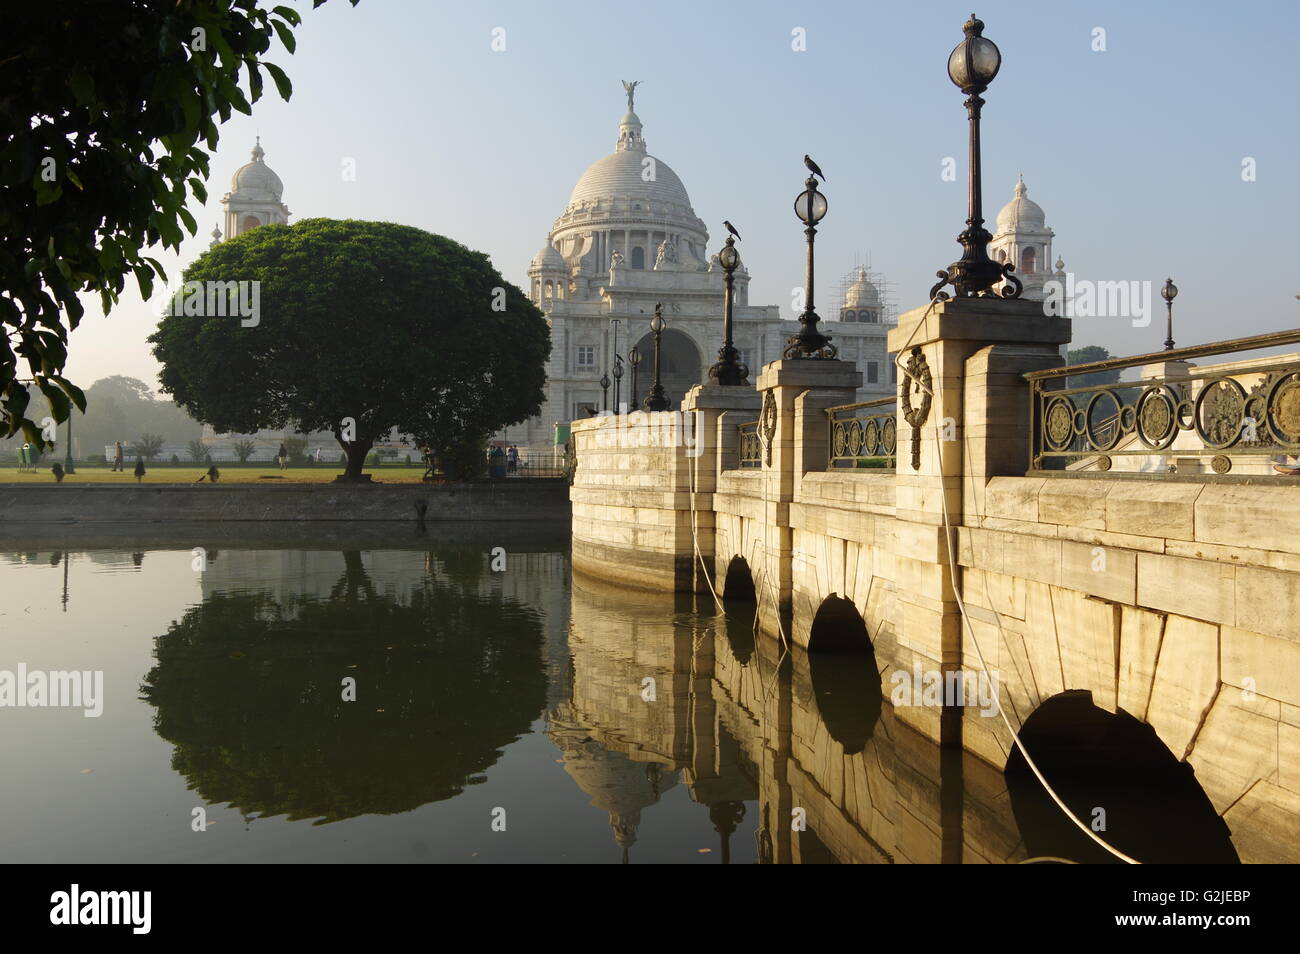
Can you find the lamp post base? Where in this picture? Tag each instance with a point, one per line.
(656, 400)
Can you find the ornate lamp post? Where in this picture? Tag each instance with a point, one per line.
(657, 400)
(617, 374)
(811, 207)
(633, 358)
(728, 369)
(618, 378)
(604, 391)
(1169, 292)
(971, 66)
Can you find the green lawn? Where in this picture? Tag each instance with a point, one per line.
(189, 473)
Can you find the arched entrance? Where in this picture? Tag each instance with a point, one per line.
(1110, 769)
(680, 368)
(844, 673)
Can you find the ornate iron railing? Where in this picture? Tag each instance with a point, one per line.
(751, 447)
(864, 435)
(1232, 416)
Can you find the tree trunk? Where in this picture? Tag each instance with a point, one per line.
(356, 452)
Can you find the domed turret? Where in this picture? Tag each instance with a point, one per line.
(862, 300)
(256, 180)
(255, 196)
(1021, 212)
(548, 275)
(1024, 240)
(547, 258)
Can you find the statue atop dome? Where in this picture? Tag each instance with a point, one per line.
(630, 89)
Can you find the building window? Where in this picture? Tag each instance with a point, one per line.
(849, 316)
(250, 222)
(873, 372)
(893, 373)
(871, 315)
(746, 358)
(638, 257)
(586, 356)
(584, 409)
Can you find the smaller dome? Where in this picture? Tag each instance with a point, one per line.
(548, 257)
(255, 180)
(862, 294)
(1022, 212)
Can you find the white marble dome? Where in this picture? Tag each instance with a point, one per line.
(862, 294)
(548, 257)
(618, 175)
(1021, 213)
(256, 180)
(622, 176)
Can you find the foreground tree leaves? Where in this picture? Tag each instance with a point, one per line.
(106, 123)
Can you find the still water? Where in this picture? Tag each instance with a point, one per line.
(355, 693)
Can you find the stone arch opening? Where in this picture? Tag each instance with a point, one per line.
(738, 584)
(739, 605)
(1154, 808)
(679, 364)
(845, 676)
(1029, 261)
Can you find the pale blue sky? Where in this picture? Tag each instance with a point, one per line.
(1135, 153)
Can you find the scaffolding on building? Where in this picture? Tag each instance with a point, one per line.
(888, 305)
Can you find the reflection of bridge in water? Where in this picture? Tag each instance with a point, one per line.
(735, 721)
(663, 694)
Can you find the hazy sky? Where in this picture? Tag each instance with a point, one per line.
(1135, 153)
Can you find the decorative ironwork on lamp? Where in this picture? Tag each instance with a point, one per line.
(728, 369)
(811, 208)
(1169, 292)
(657, 399)
(971, 66)
(634, 359)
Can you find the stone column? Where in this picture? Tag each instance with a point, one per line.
(784, 434)
(972, 425)
(704, 405)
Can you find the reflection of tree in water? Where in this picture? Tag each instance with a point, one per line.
(249, 690)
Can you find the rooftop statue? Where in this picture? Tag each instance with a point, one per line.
(630, 88)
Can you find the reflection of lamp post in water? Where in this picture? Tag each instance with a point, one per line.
(657, 400)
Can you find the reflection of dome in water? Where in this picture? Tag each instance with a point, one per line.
(616, 784)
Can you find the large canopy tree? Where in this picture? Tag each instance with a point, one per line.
(106, 118)
(362, 327)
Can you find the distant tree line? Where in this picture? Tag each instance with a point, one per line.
(122, 409)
